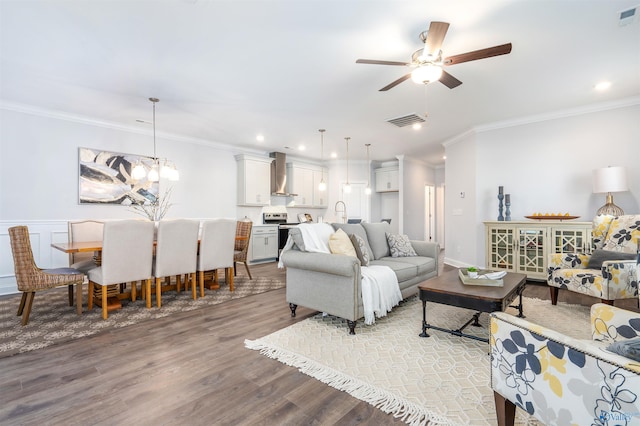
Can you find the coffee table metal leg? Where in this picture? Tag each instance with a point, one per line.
(519, 305)
(424, 320)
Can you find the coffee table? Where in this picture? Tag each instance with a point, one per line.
(447, 289)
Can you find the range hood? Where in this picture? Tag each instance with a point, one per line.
(279, 175)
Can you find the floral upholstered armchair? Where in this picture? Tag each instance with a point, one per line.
(607, 273)
(560, 380)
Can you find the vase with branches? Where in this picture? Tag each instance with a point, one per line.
(155, 210)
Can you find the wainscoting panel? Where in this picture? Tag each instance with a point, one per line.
(41, 235)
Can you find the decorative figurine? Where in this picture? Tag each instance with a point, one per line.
(507, 203)
(500, 198)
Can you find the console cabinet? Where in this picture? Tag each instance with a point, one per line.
(524, 246)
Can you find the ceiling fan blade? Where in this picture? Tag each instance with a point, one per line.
(376, 62)
(395, 83)
(448, 80)
(503, 49)
(435, 37)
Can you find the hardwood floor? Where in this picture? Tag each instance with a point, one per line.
(190, 368)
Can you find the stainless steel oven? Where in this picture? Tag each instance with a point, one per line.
(279, 219)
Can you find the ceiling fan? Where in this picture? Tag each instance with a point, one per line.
(428, 61)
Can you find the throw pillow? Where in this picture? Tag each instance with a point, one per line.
(339, 243)
(360, 246)
(627, 348)
(598, 256)
(400, 246)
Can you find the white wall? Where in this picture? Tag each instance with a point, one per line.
(39, 170)
(546, 166)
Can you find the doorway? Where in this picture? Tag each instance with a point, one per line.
(430, 211)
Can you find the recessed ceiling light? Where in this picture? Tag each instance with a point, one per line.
(301, 147)
(444, 157)
(334, 155)
(603, 85)
(417, 126)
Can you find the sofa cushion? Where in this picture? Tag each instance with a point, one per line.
(403, 270)
(400, 246)
(339, 243)
(354, 228)
(423, 264)
(377, 236)
(598, 256)
(360, 246)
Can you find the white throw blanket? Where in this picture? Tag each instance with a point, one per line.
(380, 290)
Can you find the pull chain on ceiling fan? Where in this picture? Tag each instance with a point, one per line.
(428, 61)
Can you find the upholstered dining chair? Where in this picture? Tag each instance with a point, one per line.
(30, 278)
(127, 255)
(81, 231)
(217, 243)
(176, 254)
(243, 235)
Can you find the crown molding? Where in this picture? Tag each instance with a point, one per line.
(553, 115)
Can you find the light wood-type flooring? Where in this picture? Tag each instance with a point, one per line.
(188, 369)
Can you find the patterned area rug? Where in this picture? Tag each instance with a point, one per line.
(53, 321)
(439, 380)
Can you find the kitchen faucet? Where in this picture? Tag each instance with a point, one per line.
(343, 211)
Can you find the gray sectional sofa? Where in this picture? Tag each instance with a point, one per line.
(331, 283)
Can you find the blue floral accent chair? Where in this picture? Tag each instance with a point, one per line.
(560, 380)
(615, 241)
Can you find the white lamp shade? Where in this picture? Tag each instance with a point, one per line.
(426, 74)
(610, 179)
(138, 172)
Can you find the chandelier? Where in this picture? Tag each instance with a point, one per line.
(159, 167)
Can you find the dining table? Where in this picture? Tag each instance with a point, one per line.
(96, 248)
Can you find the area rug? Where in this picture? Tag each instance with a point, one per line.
(53, 321)
(438, 380)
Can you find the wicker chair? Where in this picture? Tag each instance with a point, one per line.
(243, 235)
(30, 278)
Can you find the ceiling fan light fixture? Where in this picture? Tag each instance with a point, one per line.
(426, 74)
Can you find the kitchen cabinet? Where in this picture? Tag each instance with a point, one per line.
(254, 180)
(264, 243)
(387, 179)
(524, 246)
(303, 180)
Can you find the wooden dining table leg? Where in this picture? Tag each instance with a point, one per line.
(193, 284)
(90, 296)
(147, 290)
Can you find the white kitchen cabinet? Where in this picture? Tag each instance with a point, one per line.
(254, 180)
(303, 180)
(264, 243)
(524, 246)
(387, 179)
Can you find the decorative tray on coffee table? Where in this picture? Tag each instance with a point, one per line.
(485, 277)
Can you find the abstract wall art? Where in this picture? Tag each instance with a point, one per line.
(105, 178)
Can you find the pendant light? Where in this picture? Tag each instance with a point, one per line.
(322, 186)
(367, 190)
(347, 186)
(167, 170)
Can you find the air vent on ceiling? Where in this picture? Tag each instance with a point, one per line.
(406, 120)
(627, 17)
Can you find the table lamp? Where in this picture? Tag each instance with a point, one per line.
(610, 179)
